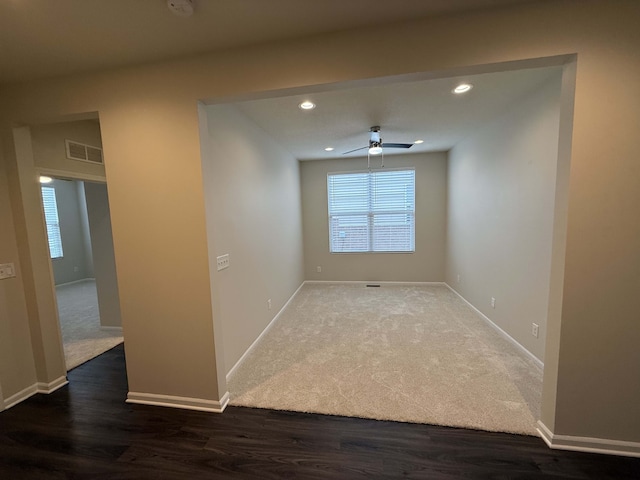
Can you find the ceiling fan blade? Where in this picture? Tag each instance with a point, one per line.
(354, 150)
(396, 145)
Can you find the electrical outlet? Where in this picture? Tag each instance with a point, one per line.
(534, 329)
(493, 302)
(319, 269)
(223, 261)
(269, 304)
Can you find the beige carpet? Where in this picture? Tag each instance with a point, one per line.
(82, 336)
(405, 353)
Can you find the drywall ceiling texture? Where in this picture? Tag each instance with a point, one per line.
(501, 194)
(149, 123)
(26, 29)
(426, 264)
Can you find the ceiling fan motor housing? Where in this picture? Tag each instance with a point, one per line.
(374, 136)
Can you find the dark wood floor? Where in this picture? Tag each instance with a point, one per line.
(85, 430)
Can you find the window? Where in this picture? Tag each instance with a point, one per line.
(372, 211)
(51, 219)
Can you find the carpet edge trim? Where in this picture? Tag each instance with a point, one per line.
(588, 444)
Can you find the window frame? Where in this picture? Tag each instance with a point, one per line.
(50, 225)
(371, 213)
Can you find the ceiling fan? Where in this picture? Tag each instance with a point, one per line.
(376, 145)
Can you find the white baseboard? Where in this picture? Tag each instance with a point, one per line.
(372, 282)
(52, 386)
(39, 387)
(264, 332)
(588, 444)
(186, 403)
(110, 329)
(21, 396)
(75, 281)
(504, 334)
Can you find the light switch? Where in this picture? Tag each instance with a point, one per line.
(223, 261)
(7, 270)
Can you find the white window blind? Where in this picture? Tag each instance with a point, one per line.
(51, 219)
(372, 211)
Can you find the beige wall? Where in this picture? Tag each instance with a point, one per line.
(149, 123)
(17, 368)
(253, 214)
(33, 252)
(49, 150)
(97, 203)
(501, 196)
(426, 264)
(49, 156)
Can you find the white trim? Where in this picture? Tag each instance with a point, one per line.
(264, 332)
(21, 396)
(187, 403)
(504, 334)
(38, 387)
(52, 386)
(110, 328)
(73, 282)
(374, 282)
(588, 444)
(67, 174)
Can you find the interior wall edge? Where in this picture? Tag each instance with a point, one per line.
(558, 245)
(37, 273)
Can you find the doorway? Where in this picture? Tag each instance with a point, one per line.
(67, 157)
(83, 266)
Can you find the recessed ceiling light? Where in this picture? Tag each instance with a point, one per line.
(307, 105)
(462, 88)
(418, 142)
(328, 149)
(44, 179)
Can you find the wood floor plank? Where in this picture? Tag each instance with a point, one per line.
(86, 430)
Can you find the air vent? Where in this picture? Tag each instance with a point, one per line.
(84, 153)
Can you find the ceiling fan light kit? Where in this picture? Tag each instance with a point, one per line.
(376, 145)
(375, 149)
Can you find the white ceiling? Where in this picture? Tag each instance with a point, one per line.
(425, 110)
(45, 38)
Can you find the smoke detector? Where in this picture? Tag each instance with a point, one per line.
(182, 8)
